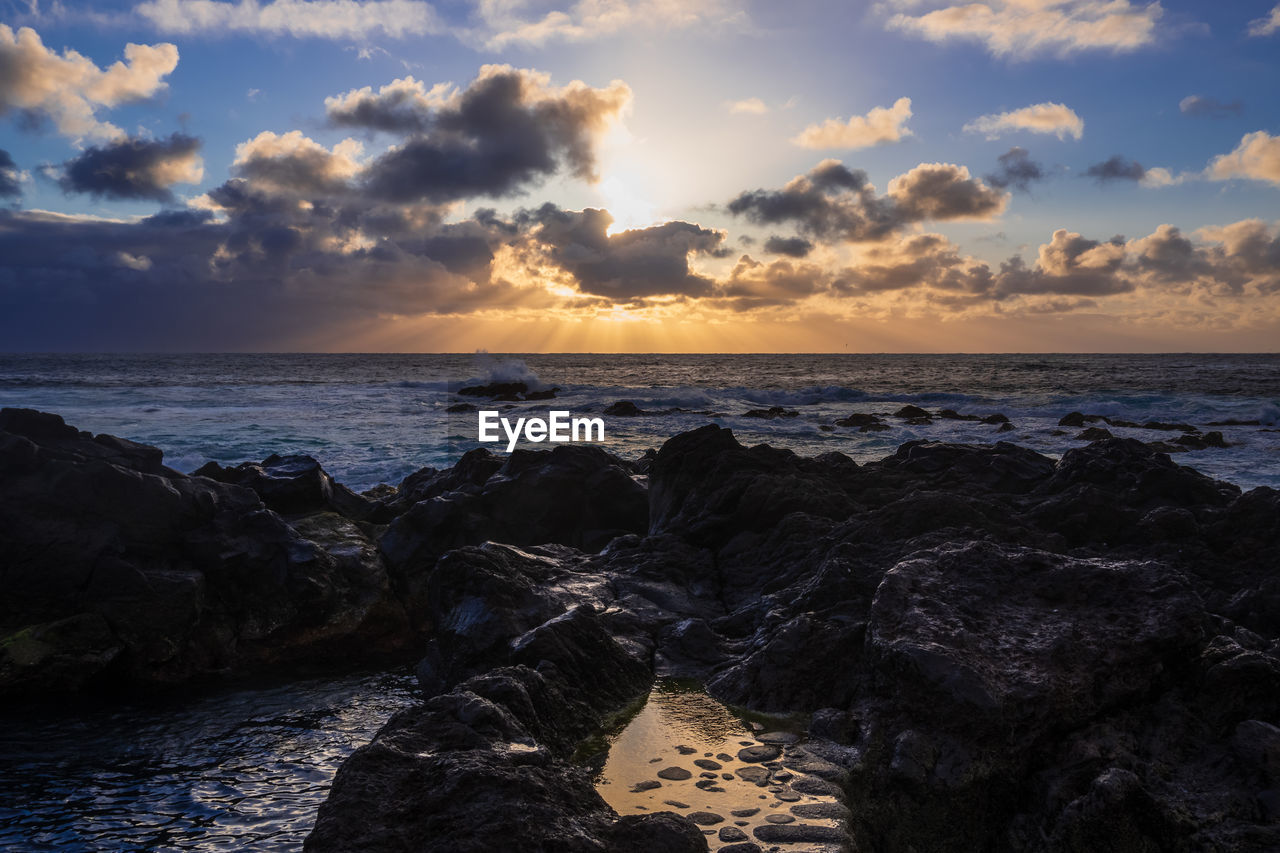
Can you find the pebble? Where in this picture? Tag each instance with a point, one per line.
(724, 756)
(675, 774)
(783, 738)
(654, 760)
(685, 750)
(821, 811)
(752, 774)
(676, 804)
(805, 833)
(756, 754)
(646, 785)
(732, 833)
(708, 776)
(744, 812)
(780, 818)
(744, 847)
(726, 776)
(788, 796)
(708, 764)
(705, 818)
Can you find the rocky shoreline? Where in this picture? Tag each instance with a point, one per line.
(995, 650)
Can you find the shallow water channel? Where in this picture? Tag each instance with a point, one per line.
(683, 751)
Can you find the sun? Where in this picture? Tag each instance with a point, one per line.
(621, 195)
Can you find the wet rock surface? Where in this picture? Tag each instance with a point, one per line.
(996, 650)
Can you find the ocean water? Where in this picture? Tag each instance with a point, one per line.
(235, 768)
(376, 418)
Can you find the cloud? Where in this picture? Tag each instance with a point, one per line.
(792, 247)
(1048, 117)
(917, 261)
(10, 177)
(878, 127)
(507, 129)
(748, 106)
(1256, 158)
(1016, 171)
(333, 19)
(1116, 168)
(1266, 25)
(135, 169)
(401, 106)
(1021, 29)
(294, 163)
(504, 23)
(752, 285)
(69, 89)
(630, 265)
(832, 202)
(1199, 105)
(1070, 265)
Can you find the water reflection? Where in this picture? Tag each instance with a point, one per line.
(685, 752)
(219, 771)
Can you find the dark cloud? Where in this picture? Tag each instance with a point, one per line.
(792, 247)
(753, 285)
(504, 132)
(1199, 105)
(1068, 265)
(1116, 168)
(402, 106)
(833, 202)
(922, 260)
(134, 169)
(630, 265)
(9, 184)
(1016, 171)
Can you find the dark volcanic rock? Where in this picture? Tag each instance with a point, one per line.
(293, 485)
(623, 409)
(862, 420)
(116, 569)
(996, 651)
(771, 413)
(911, 412)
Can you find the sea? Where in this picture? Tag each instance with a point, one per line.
(373, 419)
(246, 766)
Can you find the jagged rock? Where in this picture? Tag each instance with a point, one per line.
(117, 570)
(623, 409)
(860, 419)
(912, 412)
(771, 413)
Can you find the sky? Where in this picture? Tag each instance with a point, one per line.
(651, 176)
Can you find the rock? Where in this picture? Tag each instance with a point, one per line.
(757, 754)
(778, 738)
(996, 418)
(799, 833)
(911, 412)
(707, 764)
(623, 409)
(705, 818)
(780, 818)
(119, 571)
(496, 391)
(461, 407)
(1072, 419)
(953, 415)
(1094, 434)
(1006, 427)
(645, 785)
(731, 834)
(860, 419)
(293, 485)
(675, 774)
(771, 413)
